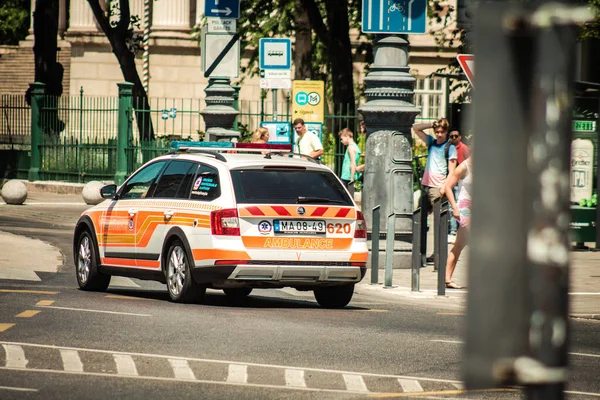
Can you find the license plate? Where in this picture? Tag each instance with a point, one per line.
(299, 226)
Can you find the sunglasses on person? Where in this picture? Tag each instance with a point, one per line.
(454, 136)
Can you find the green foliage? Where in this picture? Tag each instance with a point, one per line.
(14, 21)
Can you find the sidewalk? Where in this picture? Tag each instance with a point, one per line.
(584, 293)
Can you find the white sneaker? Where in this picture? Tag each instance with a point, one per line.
(451, 238)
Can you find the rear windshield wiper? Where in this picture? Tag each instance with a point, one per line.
(302, 199)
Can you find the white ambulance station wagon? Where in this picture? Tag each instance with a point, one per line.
(236, 221)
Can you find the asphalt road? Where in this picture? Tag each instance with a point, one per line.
(131, 342)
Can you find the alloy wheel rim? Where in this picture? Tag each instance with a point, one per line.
(84, 262)
(176, 271)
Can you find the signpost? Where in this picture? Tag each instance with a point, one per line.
(467, 63)
(275, 60)
(396, 16)
(222, 8)
(213, 45)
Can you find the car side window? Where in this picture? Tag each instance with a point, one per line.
(176, 179)
(140, 184)
(206, 185)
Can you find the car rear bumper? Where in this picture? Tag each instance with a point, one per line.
(273, 275)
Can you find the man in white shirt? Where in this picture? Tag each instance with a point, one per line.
(307, 142)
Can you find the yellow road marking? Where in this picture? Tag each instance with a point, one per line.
(118, 296)
(435, 393)
(43, 303)
(28, 314)
(26, 291)
(4, 327)
(450, 313)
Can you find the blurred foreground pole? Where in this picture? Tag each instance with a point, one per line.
(518, 283)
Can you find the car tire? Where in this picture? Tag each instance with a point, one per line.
(86, 267)
(334, 296)
(237, 294)
(180, 284)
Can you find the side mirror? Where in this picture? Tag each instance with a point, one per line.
(108, 191)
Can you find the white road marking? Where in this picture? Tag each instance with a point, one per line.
(125, 365)
(123, 282)
(459, 386)
(181, 369)
(355, 383)
(71, 360)
(17, 389)
(410, 385)
(97, 311)
(583, 393)
(208, 360)
(572, 354)
(237, 373)
(295, 378)
(15, 356)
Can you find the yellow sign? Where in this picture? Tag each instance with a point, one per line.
(308, 100)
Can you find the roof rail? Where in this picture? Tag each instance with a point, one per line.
(292, 154)
(215, 153)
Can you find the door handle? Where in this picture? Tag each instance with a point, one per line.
(169, 214)
(132, 211)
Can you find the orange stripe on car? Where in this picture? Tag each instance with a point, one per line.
(359, 256)
(292, 211)
(215, 254)
(307, 243)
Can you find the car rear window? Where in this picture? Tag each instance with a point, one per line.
(288, 186)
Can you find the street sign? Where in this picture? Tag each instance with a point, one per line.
(279, 132)
(275, 83)
(275, 53)
(276, 73)
(467, 63)
(308, 100)
(213, 44)
(222, 25)
(222, 8)
(395, 16)
(584, 126)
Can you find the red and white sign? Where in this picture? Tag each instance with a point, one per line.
(467, 63)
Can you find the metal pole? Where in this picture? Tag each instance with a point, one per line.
(443, 250)
(37, 103)
(548, 242)
(389, 250)
(146, 46)
(274, 104)
(423, 239)
(436, 233)
(416, 256)
(375, 246)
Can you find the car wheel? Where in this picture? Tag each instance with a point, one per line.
(182, 287)
(237, 294)
(334, 296)
(86, 269)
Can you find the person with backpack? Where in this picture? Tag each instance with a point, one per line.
(441, 158)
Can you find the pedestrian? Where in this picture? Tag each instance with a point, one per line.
(260, 135)
(461, 207)
(441, 159)
(462, 153)
(307, 142)
(349, 172)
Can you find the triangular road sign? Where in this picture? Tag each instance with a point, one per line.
(467, 63)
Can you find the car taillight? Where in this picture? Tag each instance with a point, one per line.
(361, 227)
(225, 222)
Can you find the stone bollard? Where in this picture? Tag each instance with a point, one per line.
(91, 192)
(14, 192)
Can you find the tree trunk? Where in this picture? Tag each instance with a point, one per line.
(117, 36)
(303, 43)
